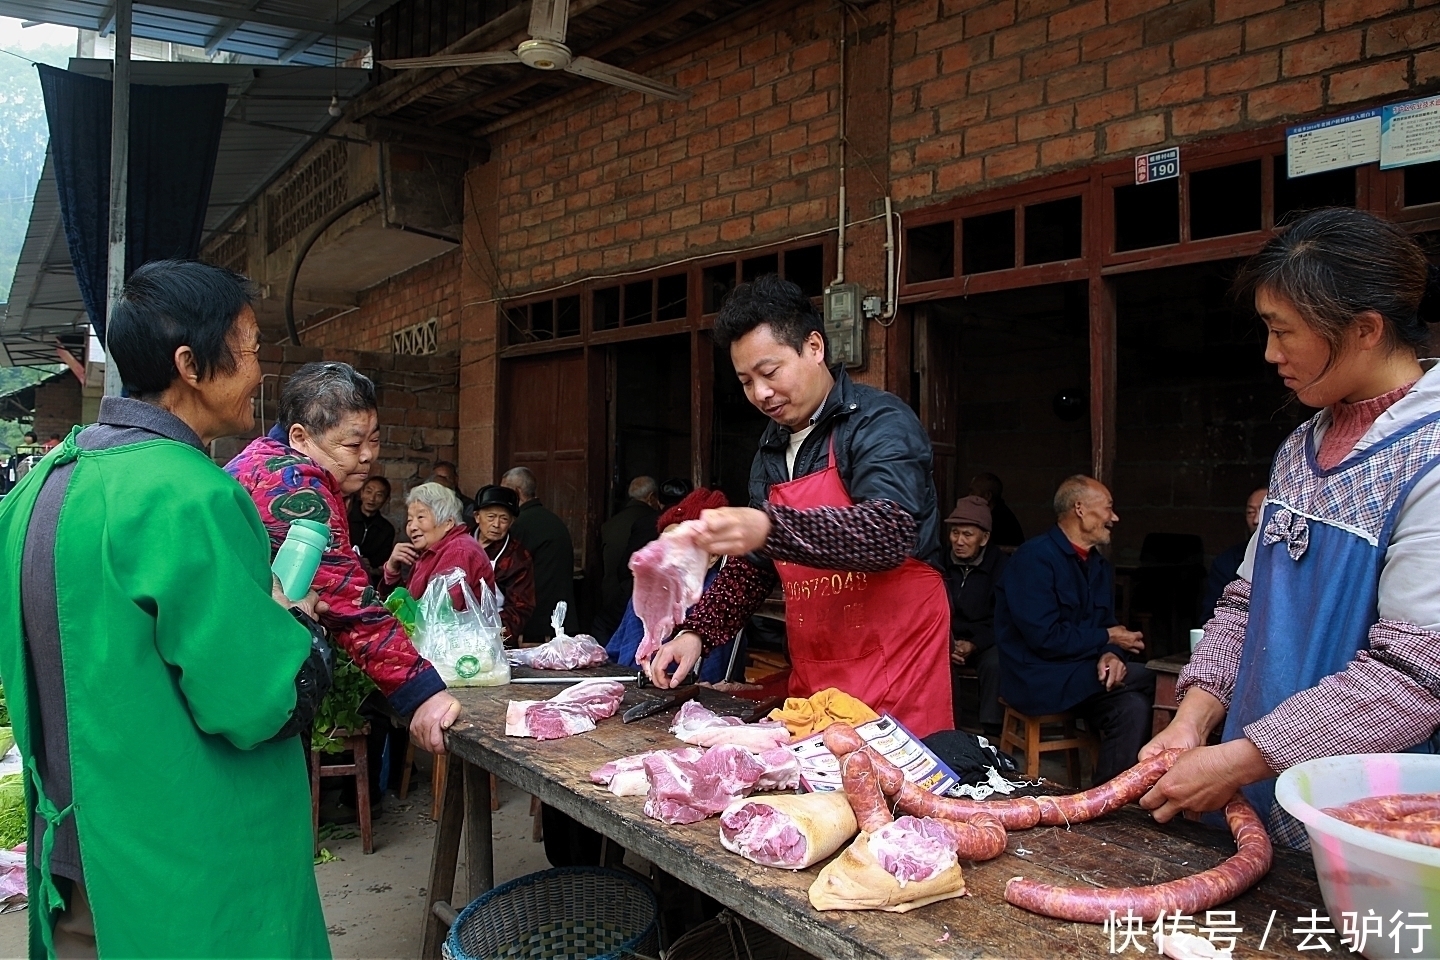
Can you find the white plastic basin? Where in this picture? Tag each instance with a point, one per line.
(1361, 871)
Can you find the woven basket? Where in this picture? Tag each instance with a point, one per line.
(730, 937)
(570, 913)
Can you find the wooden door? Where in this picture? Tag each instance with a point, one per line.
(937, 359)
(547, 430)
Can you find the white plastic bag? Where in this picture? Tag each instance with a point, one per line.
(464, 645)
(562, 653)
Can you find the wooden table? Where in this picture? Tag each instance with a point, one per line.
(1167, 674)
(1125, 848)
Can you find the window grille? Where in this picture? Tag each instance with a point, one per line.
(416, 340)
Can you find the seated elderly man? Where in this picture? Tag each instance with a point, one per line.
(973, 565)
(1060, 646)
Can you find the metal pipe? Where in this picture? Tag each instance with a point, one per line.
(119, 182)
(892, 281)
(304, 249)
(840, 239)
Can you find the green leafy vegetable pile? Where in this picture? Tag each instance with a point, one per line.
(341, 707)
(12, 810)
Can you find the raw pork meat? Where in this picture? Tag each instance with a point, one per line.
(576, 710)
(562, 653)
(626, 777)
(788, 830)
(913, 849)
(669, 577)
(687, 792)
(698, 725)
(763, 834)
(782, 769)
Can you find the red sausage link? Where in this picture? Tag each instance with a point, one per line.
(1018, 814)
(1413, 831)
(1392, 807)
(858, 776)
(1189, 895)
(982, 838)
(1109, 796)
(841, 738)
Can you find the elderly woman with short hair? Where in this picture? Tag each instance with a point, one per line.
(319, 452)
(439, 543)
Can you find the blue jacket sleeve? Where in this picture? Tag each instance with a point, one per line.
(1044, 611)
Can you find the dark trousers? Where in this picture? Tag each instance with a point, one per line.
(1121, 718)
(987, 667)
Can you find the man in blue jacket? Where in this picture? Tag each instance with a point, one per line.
(1060, 645)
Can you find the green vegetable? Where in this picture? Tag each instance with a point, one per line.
(4, 709)
(404, 607)
(341, 706)
(12, 810)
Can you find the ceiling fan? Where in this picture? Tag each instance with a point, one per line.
(546, 50)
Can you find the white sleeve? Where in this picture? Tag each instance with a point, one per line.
(1410, 578)
(1247, 566)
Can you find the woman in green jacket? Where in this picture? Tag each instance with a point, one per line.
(155, 683)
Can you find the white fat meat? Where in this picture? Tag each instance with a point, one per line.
(701, 726)
(689, 791)
(576, 710)
(1187, 946)
(561, 653)
(763, 834)
(626, 776)
(669, 578)
(913, 848)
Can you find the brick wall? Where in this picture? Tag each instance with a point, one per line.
(987, 92)
(57, 407)
(431, 289)
(418, 406)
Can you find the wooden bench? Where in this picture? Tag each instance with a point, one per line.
(359, 768)
(1028, 735)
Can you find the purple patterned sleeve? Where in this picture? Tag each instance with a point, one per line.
(870, 536)
(1387, 699)
(1215, 663)
(729, 602)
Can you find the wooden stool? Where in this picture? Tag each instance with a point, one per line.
(437, 784)
(1025, 733)
(359, 769)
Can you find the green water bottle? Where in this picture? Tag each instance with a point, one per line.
(299, 557)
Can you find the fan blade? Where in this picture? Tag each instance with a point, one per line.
(548, 19)
(595, 70)
(479, 59)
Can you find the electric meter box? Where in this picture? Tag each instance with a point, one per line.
(845, 324)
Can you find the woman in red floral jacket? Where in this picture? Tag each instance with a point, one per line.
(321, 451)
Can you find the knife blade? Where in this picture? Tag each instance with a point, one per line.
(660, 704)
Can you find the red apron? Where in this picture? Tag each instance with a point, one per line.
(882, 637)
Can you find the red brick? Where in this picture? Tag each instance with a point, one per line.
(1048, 60)
(958, 175)
(912, 16)
(914, 71)
(1021, 38)
(1029, 9)
(1045, 123)
(1427, 66)
(1239, 9)
(989, 18)
(1320, 54)
(1009, 163)
(939, 150)
(1077, 19)
(1107, 106)
(988, 136)
(1139, 66)
(1067, 150)
(1176, 21)
(1078, 81)
(1121, 10)
(1207, 46)
(962, 113)
(1245, 73)
(1344, 13)
(944, 90)
(992, 75)
(737, 229)
(913, 128)
(1212, 114)
(1126, 135)
(913, 186)
(1013, 100)
(1369, 82)
(962, 56)
(1294, 99)
(1403, 34)
(1112, 40)
(769, 221)
(1293, 21)
(1182, 87)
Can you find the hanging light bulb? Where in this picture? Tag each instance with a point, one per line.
(334, 109)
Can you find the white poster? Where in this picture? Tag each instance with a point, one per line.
(1410, 133)
(1332, 144)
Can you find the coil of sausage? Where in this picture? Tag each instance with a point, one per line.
(1406, 816)
(1189, 895)
(857, 774)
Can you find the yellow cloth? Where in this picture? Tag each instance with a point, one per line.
(803, 716)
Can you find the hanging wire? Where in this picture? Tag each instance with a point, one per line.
(334, 109)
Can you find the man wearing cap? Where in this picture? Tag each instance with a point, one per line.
(972, 567)
(495, 509)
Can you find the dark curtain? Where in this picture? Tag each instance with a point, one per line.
(174, 139)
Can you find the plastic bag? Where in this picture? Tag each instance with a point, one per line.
(403, 606)
(562, 653)
(464, 645)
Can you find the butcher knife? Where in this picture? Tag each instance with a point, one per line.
(660, 704)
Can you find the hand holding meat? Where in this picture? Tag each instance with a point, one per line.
(682, 653)
(669, 578)
(733, 531)
(1205, 779)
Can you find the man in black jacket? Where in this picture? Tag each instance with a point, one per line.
(545, 535)
(842, 513)
(620, 537)
(972, 567)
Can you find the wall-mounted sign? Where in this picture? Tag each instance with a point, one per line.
(1410, 133)
(1160, 165)
(1332, 144)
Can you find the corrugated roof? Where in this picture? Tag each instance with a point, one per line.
(291, 31)
(291, 102)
